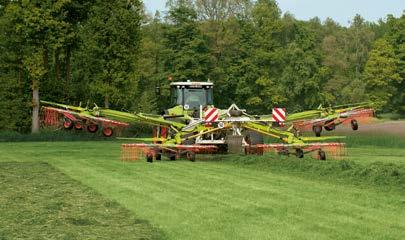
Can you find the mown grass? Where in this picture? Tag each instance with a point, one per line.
(378, 140)
(386, 176)
(39, 202)
(230, 198)
(52, 135)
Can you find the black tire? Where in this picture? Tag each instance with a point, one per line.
(172, 157)
(329, 126)
(92, 128)
(78, 125)
(355, 125)
(253, 138)
(317, 130)
(322, 155)
(299, 153)
(190, 156)
(68, 124)
(108, 132)
(235, 113)
(149, 157)
(158, 156)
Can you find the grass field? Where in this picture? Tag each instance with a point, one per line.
(225, 198)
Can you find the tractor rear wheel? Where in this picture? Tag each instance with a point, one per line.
(322, 155)
(299, 153)
(355, 124)
(317, 130)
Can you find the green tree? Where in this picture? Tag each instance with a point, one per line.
(187, 53)
(381, 73)
(107, 57)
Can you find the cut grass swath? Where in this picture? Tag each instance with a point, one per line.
(39, 202)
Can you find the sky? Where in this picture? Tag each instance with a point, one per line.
(341, 11)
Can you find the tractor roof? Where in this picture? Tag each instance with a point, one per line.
(189, 83)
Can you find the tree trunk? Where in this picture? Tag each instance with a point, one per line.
(107, 102)
(35, 108)
(68, 70)
(57, 64)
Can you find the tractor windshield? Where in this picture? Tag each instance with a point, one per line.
(193, 97)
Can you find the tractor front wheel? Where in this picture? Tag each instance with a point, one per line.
(355, 125)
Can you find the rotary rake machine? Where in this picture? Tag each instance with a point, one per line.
(331, 117)
(194, 126)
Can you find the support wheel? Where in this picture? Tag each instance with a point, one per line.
(322, 155)
(158, 156)
(172, 157)
(317, 130)
(190, 156)
(92, 128)
(78, 125)
(299, 153)
(149, 157)
(355, 125)
(329, 126)
(67, 124)
(107, 132)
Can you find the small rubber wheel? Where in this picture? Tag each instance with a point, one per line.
(317, 130)
(172, 157)
(68, 124)
(355, 125)
(107, 132)
(330, 126)
(149, 157)
(78, 125)
(190, 156)
(299, 153)
(92, 128)
(158, 156)
(322, 155)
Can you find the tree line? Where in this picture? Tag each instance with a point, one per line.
(113, 53)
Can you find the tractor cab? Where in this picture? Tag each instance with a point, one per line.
(191, 95)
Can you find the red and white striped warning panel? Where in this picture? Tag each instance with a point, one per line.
(278, 115)
(211, 115)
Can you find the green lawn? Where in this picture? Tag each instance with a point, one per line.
(224, 200)
(38, 201)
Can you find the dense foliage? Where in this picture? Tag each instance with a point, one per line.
(114, 54)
